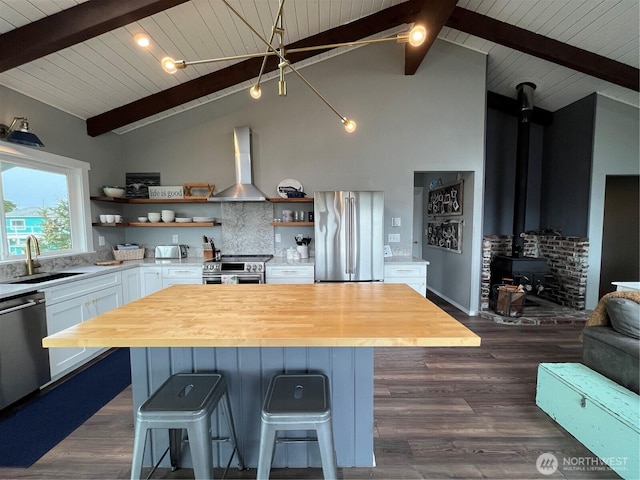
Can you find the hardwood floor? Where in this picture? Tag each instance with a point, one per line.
(439, 413)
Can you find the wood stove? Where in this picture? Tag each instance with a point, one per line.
(530, 272)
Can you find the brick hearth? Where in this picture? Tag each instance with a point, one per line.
(567, 257)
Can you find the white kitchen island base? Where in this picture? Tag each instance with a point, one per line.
(248, 371)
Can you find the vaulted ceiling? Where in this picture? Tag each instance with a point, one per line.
(78, 55)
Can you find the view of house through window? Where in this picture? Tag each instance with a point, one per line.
(36, 202)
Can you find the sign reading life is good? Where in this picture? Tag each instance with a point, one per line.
(166, 192)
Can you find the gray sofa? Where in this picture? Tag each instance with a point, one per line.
(613, 350)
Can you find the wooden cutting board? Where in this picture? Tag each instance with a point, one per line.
(109, 263)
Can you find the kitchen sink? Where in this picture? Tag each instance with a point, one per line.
(42, 277)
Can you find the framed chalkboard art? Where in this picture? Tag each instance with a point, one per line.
(446, 235)
(445, 200)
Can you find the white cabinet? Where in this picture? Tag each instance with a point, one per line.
(156, 278)
(290, 274)
(131, 285)
(73, 303)
(181, 275)
(413, 274)
(150, 280)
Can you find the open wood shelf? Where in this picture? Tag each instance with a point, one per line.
(291, 200)
(152, 200)
(292, 224)
(157, 224)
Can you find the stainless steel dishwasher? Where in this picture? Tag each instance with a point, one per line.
(24, 363)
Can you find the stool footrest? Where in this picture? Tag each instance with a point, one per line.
(296, 440)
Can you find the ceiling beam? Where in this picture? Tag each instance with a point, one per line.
(71, 26)
(433, 15)
(241, 72)
(546, 48)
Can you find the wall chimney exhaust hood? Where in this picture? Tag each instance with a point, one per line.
(243, 190)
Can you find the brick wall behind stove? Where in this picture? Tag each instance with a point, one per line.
(567, 257)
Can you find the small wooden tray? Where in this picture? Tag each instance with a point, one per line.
(108, 263)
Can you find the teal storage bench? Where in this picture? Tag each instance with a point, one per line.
(601, 414)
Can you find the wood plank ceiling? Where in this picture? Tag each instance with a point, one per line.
(78, 55)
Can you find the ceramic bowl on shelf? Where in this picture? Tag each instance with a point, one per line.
(184, 220)
(154, 217)
(142, 219)
(113, 192)
(203, 219)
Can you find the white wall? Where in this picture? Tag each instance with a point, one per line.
(66, 135)
(615, 152)
(432, 121)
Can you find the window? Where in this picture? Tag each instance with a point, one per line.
(42, 195)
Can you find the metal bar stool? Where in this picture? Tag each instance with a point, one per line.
(185, 402)
(297, 402)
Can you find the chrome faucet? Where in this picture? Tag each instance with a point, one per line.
(32, 264)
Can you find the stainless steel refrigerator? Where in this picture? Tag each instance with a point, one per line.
(349, 230)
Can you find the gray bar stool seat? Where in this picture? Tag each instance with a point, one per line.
(297, 402)
(185, 401)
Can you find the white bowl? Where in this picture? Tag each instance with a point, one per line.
(203, 219)
(142, 219)
(154, 217)
(168, 218)
(184, 219)
(113, 192)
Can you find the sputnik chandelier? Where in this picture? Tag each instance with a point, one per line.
(415, 37)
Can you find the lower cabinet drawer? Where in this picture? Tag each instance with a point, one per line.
(290, 274)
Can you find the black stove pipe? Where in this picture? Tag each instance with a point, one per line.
(525, 103)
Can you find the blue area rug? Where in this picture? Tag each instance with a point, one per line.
(40, 425)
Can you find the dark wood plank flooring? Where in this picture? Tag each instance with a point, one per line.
(439, 413)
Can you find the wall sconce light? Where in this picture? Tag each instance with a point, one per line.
(18, 132)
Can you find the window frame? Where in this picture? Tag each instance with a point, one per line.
(77, 173)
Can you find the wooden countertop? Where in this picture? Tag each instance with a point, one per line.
(326, 315)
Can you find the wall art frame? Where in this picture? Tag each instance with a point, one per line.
(446, 235)
(446, 200)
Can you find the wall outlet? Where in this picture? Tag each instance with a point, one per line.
(278, 238)
(175, 239)
(394, 237)
(395, 221)
(100, 241)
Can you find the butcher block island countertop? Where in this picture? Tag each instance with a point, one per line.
(313, 315)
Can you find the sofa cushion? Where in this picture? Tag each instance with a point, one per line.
(624, 315)
(614, 355)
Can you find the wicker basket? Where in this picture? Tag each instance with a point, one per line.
(128, 254)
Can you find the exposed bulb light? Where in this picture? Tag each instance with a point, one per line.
(255, 92)
(349, 125)
(142, 40)
(417, 36)
(170, 65)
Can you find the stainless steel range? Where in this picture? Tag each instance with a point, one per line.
(235, 269)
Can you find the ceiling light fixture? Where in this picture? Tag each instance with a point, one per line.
(20, 133)
(142, 40)
(415, 37)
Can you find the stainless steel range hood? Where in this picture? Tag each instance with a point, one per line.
(243, 190)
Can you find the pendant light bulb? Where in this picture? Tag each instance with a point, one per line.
(417, 36)
(255, 92)
(169, 65)
(349, 125)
